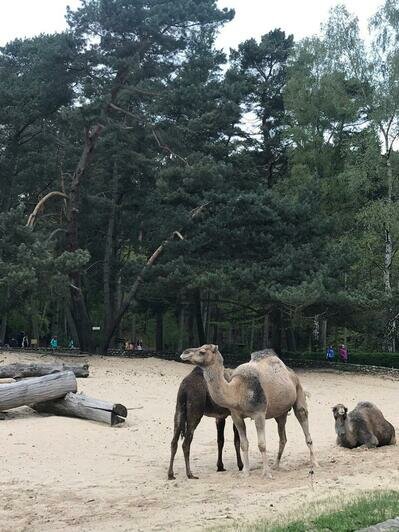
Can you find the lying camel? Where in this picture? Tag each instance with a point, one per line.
(261, 389)
(364, 426)
(193, 402)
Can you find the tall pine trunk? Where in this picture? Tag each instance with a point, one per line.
(109, 252)
(78, 304)
(388, 257)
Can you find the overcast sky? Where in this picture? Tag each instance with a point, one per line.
(21, 18)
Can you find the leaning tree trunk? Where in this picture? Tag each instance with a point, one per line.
(37, 389)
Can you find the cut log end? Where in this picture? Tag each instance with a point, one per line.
(120, 410)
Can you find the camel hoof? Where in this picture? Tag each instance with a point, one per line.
(220, 469)
(276, 466)
(267, 474)
(240, 467)
(171, 476)
(192, 477)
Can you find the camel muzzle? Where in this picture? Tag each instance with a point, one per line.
(186, 355)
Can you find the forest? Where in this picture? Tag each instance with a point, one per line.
(154, 186)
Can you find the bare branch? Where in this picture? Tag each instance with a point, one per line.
(40, 206)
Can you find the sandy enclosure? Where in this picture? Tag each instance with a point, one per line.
(71, 474)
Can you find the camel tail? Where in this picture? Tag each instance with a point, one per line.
(181, 414)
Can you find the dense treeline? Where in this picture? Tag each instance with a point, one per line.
(155, 188)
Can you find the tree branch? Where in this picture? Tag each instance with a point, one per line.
(40, 206)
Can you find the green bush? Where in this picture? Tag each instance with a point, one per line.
(387, 360)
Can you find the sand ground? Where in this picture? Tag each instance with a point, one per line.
(76, 475)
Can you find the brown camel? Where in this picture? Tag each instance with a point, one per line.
(364, 426)
(261, 389)
(193, 402)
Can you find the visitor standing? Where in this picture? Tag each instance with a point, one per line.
(54, 343)
(330, 353)
(343, 353)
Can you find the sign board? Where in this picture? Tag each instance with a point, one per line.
(95, 328)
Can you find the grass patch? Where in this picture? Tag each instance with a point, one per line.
(361, 512)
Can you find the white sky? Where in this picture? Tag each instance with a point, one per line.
(21, 18)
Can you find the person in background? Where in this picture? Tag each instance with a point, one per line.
(330, 353)
(25, 341)
(54, 343)
(139, 345)
(71, 344)
(343, 353)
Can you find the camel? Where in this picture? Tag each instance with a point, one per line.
(193, 401)
(364, 426)
(261, 389)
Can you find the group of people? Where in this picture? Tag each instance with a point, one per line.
(343, 353)
(134, 346)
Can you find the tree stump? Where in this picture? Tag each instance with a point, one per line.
(82, 406)
(37, 389)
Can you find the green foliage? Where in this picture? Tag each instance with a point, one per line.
(298, 209)
(363, 511)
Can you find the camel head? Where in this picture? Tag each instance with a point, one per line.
(203, 356)
(340, 411)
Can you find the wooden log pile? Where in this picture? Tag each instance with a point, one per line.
(54, 393)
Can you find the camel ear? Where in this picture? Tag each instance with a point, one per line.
(215, 348)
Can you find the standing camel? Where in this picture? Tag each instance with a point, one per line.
(261, 389)
(193, 401)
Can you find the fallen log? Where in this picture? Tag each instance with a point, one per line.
(21, 371)
(82, 406)
(37, 389)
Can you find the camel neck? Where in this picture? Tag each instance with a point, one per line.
(345, 433)
(221, 391)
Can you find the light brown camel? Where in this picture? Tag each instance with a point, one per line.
(261, 389)
(364, 426)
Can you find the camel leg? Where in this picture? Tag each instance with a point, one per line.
(237, 447)
(173, 449)
(301, 413)
(370, 441)
(260, 429)
(188, 438)
(177, 430)
(240, 425)
(220, 424)
(281, 421)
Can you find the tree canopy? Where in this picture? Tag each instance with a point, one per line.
(157, 188)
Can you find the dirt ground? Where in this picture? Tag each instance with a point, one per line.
(71, 474)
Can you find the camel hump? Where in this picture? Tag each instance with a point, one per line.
(366, 404)
(256, 355)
